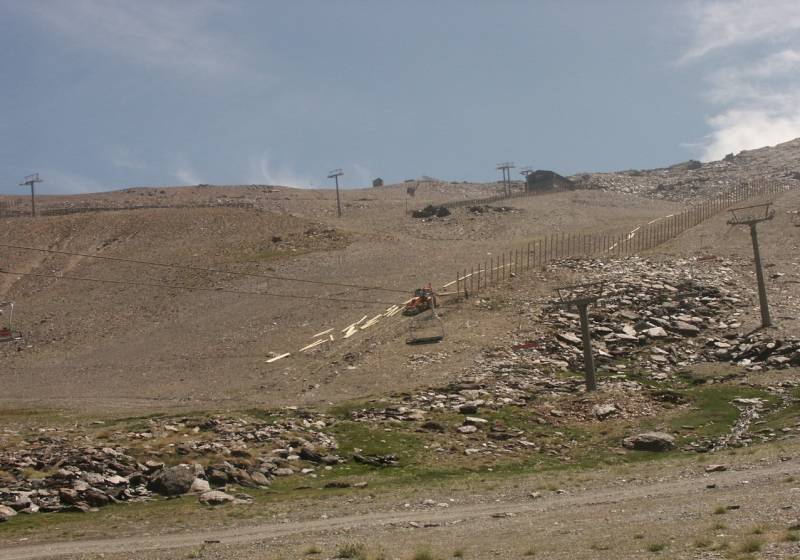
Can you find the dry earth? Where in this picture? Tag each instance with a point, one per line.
(120, 353)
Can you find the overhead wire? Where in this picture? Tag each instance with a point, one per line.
(192, 288)
(203, 269)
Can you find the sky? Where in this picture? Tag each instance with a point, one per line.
(107, 94)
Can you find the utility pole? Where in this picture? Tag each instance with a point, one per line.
(580, 296)
(525, 171)
(335, 174)
(752, 216)
(31, 180)
(506, 168)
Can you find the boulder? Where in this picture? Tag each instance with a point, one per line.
(96, 498)
(684, 329)
(656, 332)
(468, 408)
(215, 498)
(217, 476)
(308, 454)
(650, 441)
(6, 513)
(172, 481)
(200, 486)
(603, 411)
(259, 479)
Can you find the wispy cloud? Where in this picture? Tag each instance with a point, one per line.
(723, 24)
(177, 35)
(264, 171)
(55, 181)
(185, 173)
(757, 97)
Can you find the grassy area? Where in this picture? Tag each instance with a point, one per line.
(712, 412)
(425, 459)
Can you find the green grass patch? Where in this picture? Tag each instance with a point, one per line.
(711, 411)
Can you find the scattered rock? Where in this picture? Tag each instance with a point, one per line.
(215, 498)
(650, 441)
(173, 481)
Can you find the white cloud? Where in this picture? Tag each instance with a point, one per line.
(175, 35)
(55, 181)
(263, 171)
(723, 24)
(185, 173)
(756, 99)
(743, 129)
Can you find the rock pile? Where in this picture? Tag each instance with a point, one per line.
(49, 472)
(692, 180)
(660, 317)
(655, 319)
(431, 211)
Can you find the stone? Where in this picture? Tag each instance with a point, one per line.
(467, 429)
(308, 454)
(603, 411)
(468, 408)
(96, 498)
(217, 477)
(475, 421)
(6, 513)
(716, 468)
(656, 332)
(683, 328)
(68, 495)
(260, 479)
(650, 441)
(172, 481)
(570, 338)
(200, 486)
(285, 471)
(215, 498)
(433, 426)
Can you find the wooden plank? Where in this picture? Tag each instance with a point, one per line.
(313, 344)
(276, 358)
(351, 325)
(371, 322)
(353, 330)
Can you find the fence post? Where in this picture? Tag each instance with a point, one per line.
(472, 279)
(529, 256)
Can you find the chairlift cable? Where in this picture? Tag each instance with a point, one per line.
(191, 288)
(202, 269)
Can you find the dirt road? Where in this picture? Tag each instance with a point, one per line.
(681, 513)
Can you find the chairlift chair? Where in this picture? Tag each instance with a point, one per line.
(7, 333)
(426, 327)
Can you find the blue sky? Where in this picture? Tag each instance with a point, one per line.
(103, 94)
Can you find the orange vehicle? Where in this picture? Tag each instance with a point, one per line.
(423, 299)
